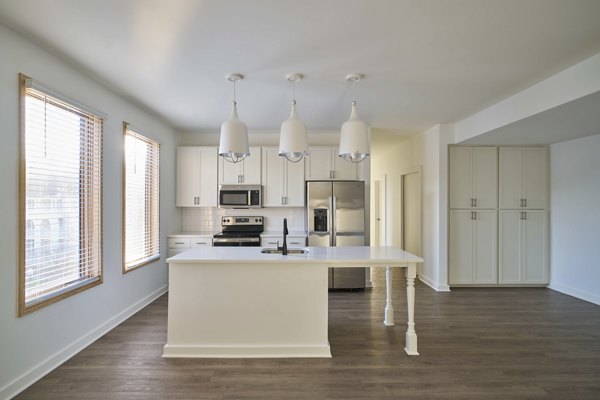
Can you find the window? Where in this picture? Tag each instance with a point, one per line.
(141, 231)
(60, 197)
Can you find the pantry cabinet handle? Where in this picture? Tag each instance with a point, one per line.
(524, 202)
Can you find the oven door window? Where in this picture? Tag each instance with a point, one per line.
(234, 198)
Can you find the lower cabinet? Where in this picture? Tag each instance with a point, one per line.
(472, 247)
(181, 243)
(523, 247)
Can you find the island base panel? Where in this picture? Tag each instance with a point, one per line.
(247, 310)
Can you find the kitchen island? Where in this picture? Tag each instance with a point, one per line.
(239, 302)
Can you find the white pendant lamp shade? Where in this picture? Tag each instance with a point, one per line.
(233, 144)
(354, 138)
(293, 144)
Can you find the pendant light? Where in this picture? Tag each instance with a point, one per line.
(354, 138)
(293, 144)
(233, 145)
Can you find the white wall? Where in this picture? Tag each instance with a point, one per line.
(36, 343)
(575, 218)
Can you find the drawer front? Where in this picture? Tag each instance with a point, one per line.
(201, 242)
(271, 242)
(296, 241)
(178, 243)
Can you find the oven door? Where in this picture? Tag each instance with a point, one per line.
(237, 242)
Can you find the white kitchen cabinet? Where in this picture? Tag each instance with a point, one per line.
(274, 241)
(283, 181)
(179, 243)
(323, 163)
(472, 247)
(197, 176)
(246, 171)
(523, 247)
(473, 177)
(523, 177)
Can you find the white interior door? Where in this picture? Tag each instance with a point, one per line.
(411, 212)
(379, 203)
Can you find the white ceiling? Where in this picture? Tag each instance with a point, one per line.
(425, 61)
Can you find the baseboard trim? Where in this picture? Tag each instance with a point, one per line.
(288, 351)
(592, 298)
(434, 285)
(39, 371)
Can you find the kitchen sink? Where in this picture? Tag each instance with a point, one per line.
(290, 251)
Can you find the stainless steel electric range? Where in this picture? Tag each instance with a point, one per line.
(239, 231)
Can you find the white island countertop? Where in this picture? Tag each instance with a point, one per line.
(347, 256)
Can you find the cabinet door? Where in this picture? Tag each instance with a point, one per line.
(510, 248)
(273, 177)
(535, 176)
(485, 256)
(251, 167)
(460, 177)
(188, 179)
(485, 177)
(318, 163)
(511, 177)
(208, 176)
(229, 173)
(294, 184)
(472, 247)
(460, 233)
(343, 169)
(535, 263)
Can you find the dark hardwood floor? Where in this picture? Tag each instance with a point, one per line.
(475, 343)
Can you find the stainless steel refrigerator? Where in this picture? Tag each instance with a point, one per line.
(336, 217)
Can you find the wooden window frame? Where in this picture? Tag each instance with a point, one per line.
(127, 127)
(85, 215)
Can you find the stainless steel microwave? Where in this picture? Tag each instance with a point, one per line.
(240, 196)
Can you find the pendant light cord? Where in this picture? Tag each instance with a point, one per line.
(234, 101)
(294, 92)
(354, 92)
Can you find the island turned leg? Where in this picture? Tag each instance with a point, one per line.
(389, 309)
(411, 334)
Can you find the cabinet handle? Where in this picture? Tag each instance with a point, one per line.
(525, 213)
(473, 215)
(179, 242)
(286, 200)
(525, 202)
(474, 202)
(294, 242)
(471, 202)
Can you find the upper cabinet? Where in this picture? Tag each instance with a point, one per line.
(246, 171)
(283, 181)
(324, 163)
(473, 177)
(523, 177)
(196, 176)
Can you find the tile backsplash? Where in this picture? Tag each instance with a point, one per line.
(208, 219)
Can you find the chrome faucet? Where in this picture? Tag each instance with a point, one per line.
(284, 249)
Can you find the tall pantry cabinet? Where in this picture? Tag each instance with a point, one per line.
(523, 239)
(497, 230)
(472, 231)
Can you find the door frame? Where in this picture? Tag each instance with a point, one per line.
(409, 171)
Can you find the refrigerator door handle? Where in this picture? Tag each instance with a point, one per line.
(333, 208)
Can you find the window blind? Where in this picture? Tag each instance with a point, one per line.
(60, 198)
(141, 181)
